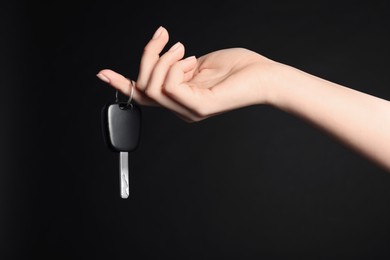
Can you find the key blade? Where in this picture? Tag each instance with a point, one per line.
(124, 174)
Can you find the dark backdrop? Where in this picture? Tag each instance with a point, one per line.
(255, 183)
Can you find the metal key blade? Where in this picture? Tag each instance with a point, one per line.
(124, 174)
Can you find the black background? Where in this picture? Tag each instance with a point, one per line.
(254, 183)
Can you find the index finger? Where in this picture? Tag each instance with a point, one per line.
(151, 56)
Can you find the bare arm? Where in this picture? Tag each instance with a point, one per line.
(360, 120)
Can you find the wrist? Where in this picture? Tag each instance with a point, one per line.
(283, 83)
(272, 80)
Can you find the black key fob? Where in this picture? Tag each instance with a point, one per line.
(121, 125)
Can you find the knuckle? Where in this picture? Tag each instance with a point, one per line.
(152, 93)
(140, 85)
(148, 49)
(202, 111)
(169, 89)
(163, 64)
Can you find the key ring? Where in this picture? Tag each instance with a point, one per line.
(130, 97)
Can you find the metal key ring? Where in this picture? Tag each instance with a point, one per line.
(130, 97)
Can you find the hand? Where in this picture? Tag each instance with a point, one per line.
(227, 79)
(194, 88)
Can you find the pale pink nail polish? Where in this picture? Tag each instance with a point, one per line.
(103, 78)
(158, 32)
(174, 47)
(190, 58)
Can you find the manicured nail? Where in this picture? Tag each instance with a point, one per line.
(158, 32)
(104, 78)
(190, 58)
(174, 47)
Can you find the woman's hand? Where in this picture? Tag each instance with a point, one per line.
(227, 79)
(194, 88)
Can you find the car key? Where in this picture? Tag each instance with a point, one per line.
(121, 123)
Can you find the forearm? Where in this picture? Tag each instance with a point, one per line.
(359, 120)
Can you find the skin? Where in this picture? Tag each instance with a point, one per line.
(197, 88)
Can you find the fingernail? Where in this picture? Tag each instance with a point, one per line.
(190, 58)
(104, 78)
(174, 47)
(158, 32)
